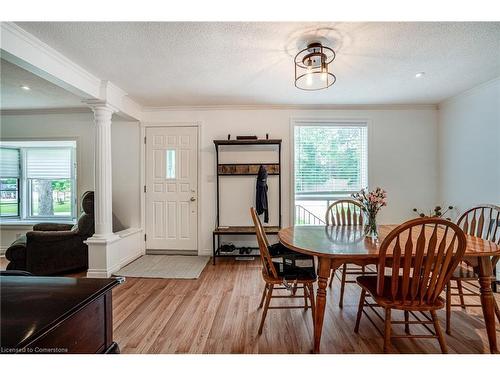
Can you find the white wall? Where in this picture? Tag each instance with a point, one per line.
(80, 126)
(125, 154)
(75, 126)
(402, 157)
(469, 147)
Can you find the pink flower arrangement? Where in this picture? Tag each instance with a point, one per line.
(372, 201)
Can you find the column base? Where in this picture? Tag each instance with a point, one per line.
(109, 253)
(99, 255)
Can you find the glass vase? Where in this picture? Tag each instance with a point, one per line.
(371, 227)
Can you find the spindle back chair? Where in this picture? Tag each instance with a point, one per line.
(274, 277)
(346, 212)
(268, 267)
(421, 256)
(481, 221)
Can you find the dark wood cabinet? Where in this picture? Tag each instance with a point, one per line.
(57, 315)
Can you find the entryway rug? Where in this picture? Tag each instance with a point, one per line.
(165, 267)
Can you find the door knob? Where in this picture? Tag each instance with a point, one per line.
(193, 199)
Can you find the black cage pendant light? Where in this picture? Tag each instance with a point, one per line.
(312, 66)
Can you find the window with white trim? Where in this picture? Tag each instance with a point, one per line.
(38, 180)
(331, 162)
(10, 173)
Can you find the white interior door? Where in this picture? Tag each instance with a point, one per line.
(171, 188)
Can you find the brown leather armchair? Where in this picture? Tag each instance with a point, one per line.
(53, 248)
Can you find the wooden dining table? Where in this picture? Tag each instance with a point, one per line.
(336, 245)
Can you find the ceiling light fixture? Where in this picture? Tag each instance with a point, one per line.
(26, 88)
(312, 67)
(419, 74)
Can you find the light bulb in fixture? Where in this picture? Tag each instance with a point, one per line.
(26, 88)
(309, 79)
(324, 72)
(312, 67)
(419, 74)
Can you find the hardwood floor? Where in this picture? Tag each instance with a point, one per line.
(218, 314)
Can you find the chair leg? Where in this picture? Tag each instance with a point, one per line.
(311, 297)
(387, 331)
(448, 308)
(306, 297)
(266, 306)
(461, 292)
(439, 333)
(497, 311)
(332, 276)
(407, 325)
(360, 309)
(342, 286)
(263, 296)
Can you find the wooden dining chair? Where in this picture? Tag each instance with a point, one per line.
(341, 213)
(425, 252)
(277, 274)
(482, 221)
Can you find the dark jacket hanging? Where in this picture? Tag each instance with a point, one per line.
(261, 194)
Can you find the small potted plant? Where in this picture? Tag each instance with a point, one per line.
(372, 202)
(436, 212)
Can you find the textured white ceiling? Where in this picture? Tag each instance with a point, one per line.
(43, 94)
(176, 64)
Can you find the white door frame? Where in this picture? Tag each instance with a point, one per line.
(194, 124)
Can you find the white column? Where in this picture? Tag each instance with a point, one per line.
(103, 174)
(101, 243)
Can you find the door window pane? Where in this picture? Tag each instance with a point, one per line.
(51, 197)
(9, 197)
(170, 156)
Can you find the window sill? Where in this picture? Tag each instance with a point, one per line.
(30, 223)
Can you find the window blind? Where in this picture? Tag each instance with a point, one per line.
(330, 159)
(9, 162)
(48, 163)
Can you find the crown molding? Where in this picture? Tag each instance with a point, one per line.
(323, 107)
(49, 51)
(90, 103)
(468, 92)
(119, 99)
(25, 50)
(95, 104)
(44, 111)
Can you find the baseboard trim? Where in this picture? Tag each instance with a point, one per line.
(206, 252)
(171, 252)
(97, 274)
(107, 257)
(124, 262)
(104, 273)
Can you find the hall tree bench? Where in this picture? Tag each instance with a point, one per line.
(231, 170)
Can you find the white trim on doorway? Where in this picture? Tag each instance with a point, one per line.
(143, 126)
